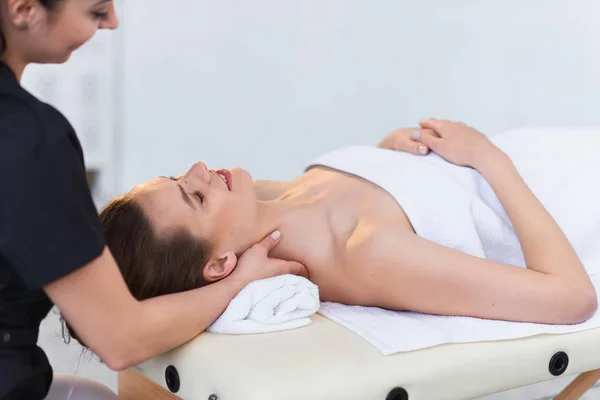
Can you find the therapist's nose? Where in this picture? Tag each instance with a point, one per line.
(111, 21)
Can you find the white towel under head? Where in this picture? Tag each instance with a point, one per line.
(455, 207)
(268, 305)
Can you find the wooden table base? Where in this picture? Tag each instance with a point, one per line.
(579, 386)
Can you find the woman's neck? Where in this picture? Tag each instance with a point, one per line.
(302, 221)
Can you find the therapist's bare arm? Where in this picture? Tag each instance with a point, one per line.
(124, 332)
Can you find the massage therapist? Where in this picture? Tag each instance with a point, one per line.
(52, 249)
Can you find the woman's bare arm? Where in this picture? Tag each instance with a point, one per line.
(544, 244)
(554, 288)
(125, 332)
(403, 271)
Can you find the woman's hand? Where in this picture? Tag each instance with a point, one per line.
(405, 139)
(456, 142)
(255, 263)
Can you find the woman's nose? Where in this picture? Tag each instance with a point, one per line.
(200, 171)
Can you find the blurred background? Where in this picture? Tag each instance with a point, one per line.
(268, 85)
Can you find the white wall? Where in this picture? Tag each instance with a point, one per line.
(269, 84)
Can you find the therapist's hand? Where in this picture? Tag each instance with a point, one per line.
(255, 263)
(407, 140)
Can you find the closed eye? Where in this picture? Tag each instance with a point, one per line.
(185, 196)
(99, 15)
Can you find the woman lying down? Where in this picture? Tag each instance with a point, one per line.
(436, 220)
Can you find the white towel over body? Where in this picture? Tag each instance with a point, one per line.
(455, 207)
(268, 305)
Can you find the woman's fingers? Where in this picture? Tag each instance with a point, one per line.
(408, 142)
(422, 149)
(430, 123)
(435, 125)
(429, 139)
(425, 140)
(417, 141)
(416, 134)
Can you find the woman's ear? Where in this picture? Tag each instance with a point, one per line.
(219, 268)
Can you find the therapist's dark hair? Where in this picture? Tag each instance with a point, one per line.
(153, 264)
(48, 4)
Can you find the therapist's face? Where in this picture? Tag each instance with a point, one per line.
(58, 28)
(220, 207)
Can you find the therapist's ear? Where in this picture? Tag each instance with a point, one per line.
(220, 267)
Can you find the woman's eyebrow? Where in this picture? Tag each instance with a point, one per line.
(185, 196)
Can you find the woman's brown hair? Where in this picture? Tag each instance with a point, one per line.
(152, 264)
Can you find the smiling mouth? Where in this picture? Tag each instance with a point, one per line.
(226, 176)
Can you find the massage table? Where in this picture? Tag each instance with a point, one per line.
(324, 360)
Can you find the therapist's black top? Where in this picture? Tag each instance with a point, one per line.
(48, 228)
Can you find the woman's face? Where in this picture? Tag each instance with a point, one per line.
(52, 35)
(220, 206)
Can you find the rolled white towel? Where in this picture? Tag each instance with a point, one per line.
(275, 304)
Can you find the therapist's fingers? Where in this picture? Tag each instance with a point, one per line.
(292, 267)
(277, 266)
(255, 264)
(268, 243)
(280, 266)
